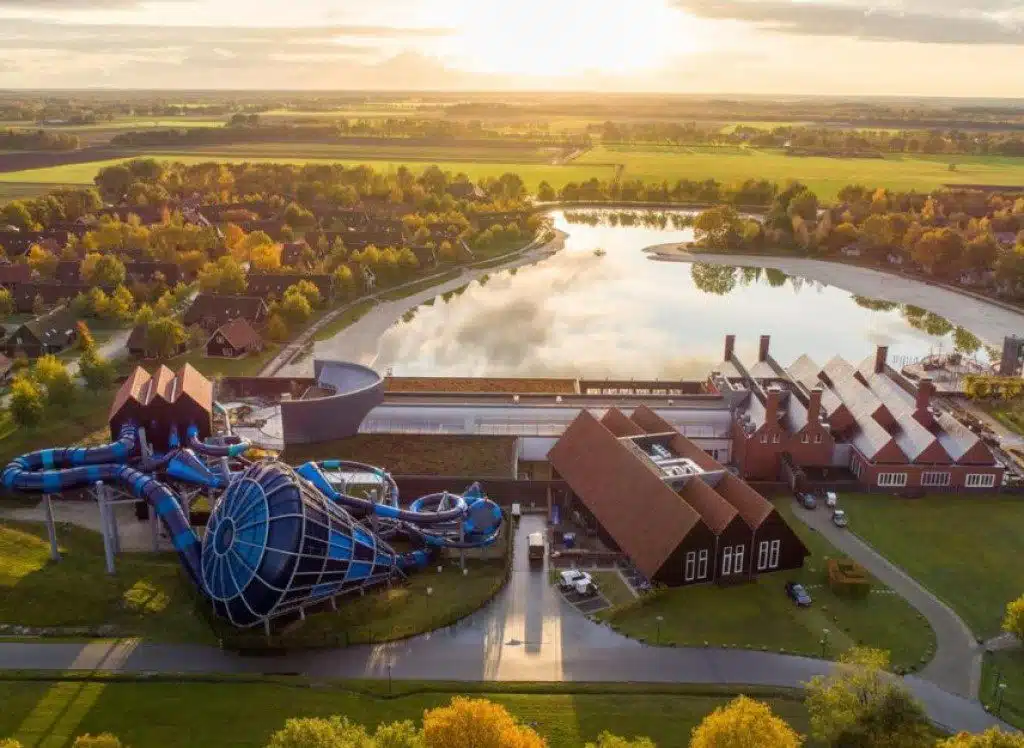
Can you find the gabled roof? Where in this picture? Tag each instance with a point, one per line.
(716, 512)
(239, 334)
(223, 308)
(917, 442)
(15, 274)
(611, 481)
(620, 424)
(195, 386)
(962, 445)
(142, 388)
(51, 328)
(874, 442)
(133, 388)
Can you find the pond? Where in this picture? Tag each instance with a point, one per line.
(601, 307)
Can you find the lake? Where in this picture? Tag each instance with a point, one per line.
(603, 308)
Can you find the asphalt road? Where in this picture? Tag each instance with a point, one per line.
(528, 633)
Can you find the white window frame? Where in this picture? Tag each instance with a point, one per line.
(690, 570)
(804, 438)
(817, 438)
(726, 561)
(892, 480)
(776, 438)
(855, 466)
(737, 559)
(702, 564)
(762, 554)
(980, 480)
(773, 554)
(764, 438)
(936, 478)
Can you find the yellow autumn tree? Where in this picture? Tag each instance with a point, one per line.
(103, 740)
(991, 738)
(476, 723)
(743, 723)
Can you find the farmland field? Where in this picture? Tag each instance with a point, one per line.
(532, 174)
(17, 190)
(823, 175)
(393, 151)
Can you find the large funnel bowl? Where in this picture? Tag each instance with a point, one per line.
(274, 544)
(344, 395)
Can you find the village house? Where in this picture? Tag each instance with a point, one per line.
(49, 333)
(274, 285)
(68, 271)
(234, 339)
(212, 310)
(45, 293)
(146, 271)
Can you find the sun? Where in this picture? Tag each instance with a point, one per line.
(566, 37)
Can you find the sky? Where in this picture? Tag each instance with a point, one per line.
(844, 47)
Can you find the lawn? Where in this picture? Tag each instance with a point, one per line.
(823, 175)
(422, 285)
(760, 615)
(532, 174)
(567, 715)
(614, 589)
(250, 365)
(1010, 413)
(965, 549)
(349, 316)
(417, 454)
(147, 597)
(1005, 667)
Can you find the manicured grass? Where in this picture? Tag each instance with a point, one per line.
(1010, 413)
(423, 285)
(226, 367)
(348, 317)
(417, 454)
(147, 597)
(167, 714)
(532, 174)
(823, 175)
(966, 549)
(19, 190)
(760, 615)
(614, 589)
(1004, 667)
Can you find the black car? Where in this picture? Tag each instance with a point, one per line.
(807, 500)
(798, 594)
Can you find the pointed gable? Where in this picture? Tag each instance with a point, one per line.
(619, 423)
(132, 390)
(196, 387)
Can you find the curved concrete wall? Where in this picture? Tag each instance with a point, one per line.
(357, 390)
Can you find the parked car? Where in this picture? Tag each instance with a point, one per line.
(577, 581)
(807, 500)
(831, 500)
(798, 594)
(839, 518)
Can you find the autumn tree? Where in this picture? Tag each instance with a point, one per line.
(344, 280)
(6, 302)
(27, 401)
(804, 204)
(743, 723)
(859, 699)
(84, 340)
(1013, 622)
(225, 276)
(52, 375)
(165, 336)
(298, 217)
(295, 308)
(103, 740)
(308, 290)
(546, 193)
(97, 372)
(991, 738)
(476, 723)
(277, 328)
(939, 251)
(42, 261)
(9, 743)
(718, 227)
(16, 213)
(312, 732)
(265, 257)
(103, 270)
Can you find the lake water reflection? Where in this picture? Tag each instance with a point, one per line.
(617, 313)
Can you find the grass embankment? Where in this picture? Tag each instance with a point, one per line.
(612, 586)
(759, 615)
(249, 365)
(147, 597)
(422, 285)
(1010, 413)
(567, 715)
(416, 454)
(968, 550)
(349, 316)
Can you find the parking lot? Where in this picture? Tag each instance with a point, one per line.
(586, 604)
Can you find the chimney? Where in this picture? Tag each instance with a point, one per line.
(762, 351)
(925, 390)
(772, 403)
(881, 357)
(730, 344)
(814, 406)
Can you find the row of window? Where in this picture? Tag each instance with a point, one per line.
(804, 438)
(732, 560)
(933, 479)
(696, 565)
(768, 554)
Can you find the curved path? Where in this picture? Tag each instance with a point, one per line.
(528, 633)
(956, 666)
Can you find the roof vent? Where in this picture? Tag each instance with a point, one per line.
(515, 398)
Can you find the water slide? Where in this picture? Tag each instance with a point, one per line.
(278, 540)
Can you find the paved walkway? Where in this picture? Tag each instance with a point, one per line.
(956, 666)
(528, 633)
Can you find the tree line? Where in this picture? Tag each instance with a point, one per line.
(37, 140)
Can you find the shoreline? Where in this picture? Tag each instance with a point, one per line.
(360, 341)
(989, 320)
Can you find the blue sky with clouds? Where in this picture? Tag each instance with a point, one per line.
(890, 47)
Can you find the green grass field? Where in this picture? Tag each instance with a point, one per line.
(532, 174)
(760, 615)
(615, 590)
(823, 175)
(49, 715)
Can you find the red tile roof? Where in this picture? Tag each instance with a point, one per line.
(143, 388)
(619, 424)
(239, 334)
(612, 482)
(131, 389)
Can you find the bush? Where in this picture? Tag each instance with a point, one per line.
(848, 579)
(104, 740)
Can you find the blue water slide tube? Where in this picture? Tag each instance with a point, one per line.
(185, 465)
(215, 450)
(56, 470)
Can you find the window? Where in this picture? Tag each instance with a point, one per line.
(764, 438)
(855, 466)
(691, 566)
(737, 559)
(773, 554)
(892, 479)
(935, 479)
(702, 565)
(980, 480)
(817, 438)
(775, 438)
(762, 555)
(727, 561)
(804, 439)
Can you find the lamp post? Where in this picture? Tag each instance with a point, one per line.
(659, 619)
(999, 700)
(389, 677)
(824, 642)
